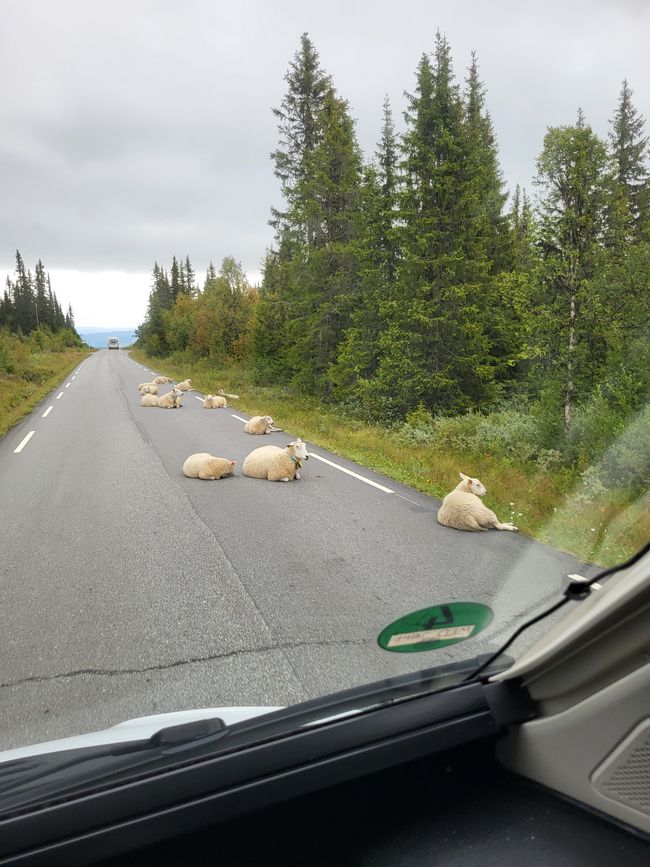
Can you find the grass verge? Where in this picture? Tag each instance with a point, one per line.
(547, 505)
(18, 395)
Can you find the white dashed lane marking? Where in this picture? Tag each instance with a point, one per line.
(196, 397)
(351, 473)
(24, 442)
(67, 385)
(48, 411)
(238, 418)
(59, 395)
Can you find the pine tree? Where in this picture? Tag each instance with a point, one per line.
(210, 276)
(190, 278)
(42, 301)
(299, 127)
(629, 211)
(174, 279)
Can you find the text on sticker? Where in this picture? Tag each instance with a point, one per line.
(431, 635)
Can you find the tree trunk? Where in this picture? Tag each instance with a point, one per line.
(568, 396)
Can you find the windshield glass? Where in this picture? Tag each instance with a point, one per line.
(380, 289)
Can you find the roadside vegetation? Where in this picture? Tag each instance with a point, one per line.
(415, 317)
(30, 367)
(39, 345)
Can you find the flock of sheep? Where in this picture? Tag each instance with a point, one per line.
(461, 509)
(267, 462)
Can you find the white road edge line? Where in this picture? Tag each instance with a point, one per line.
(48, 411)
(238, 418)
(351, 473)
(24, 442)
(67, 385)
(59, 395)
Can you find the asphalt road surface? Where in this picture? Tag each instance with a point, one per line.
(128, 589)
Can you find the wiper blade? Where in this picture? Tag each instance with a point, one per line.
(68, 769)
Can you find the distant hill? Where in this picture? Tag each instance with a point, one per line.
(97, 338)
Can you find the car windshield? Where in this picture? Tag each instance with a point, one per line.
(380, 286)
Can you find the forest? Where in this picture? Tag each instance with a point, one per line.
(412, 290)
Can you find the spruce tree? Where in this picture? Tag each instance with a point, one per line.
(629, 215)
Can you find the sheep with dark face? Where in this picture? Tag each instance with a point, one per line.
(276, 464)
(463, 510)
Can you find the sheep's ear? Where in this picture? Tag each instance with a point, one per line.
(463, 476)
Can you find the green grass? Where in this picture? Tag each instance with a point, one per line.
(542, 503)
(18, 395)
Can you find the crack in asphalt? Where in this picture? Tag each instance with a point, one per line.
(193, 660)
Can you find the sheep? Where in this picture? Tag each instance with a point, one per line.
(171, 400)
(149, 400)
(260, 424)
(205, 466)
(214, 401)
(144, 385)
(162, 380)
(185, 385)
(149, 388)
(225, 394)
(274, 463)
(463, 510)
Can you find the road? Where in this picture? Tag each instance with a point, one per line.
(128, 589)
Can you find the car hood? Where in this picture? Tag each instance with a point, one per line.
(136, 729)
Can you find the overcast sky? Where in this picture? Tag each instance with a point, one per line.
(134, 129)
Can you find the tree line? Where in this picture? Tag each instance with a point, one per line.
(412, 281)
(28, 302)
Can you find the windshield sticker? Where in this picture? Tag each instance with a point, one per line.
(439, 626)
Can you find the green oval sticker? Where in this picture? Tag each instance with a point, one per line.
(439, 626)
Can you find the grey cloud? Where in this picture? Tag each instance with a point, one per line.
(134, 130)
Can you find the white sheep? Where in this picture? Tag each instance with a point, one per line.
(205, 466)
(142, 385)
(225, 394)
(276, 464)
(260, 424)
(149, 400)
(185, 385)
(463, 510)
(162, 380)
(148, 388)
(214, 401)
(171, 400)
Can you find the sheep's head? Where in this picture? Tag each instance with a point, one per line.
(474, 486)
(268, 419)
(299, 450)
(209, 396)
(176, 391)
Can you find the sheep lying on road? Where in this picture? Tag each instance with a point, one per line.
(276, 464)
(149, 400)
(225, 394)
(463, 510)
(148, 388)
(205, 466)
(171, 400)
(214, 401)
(260, 424)
(162, 380)
(185, 385)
